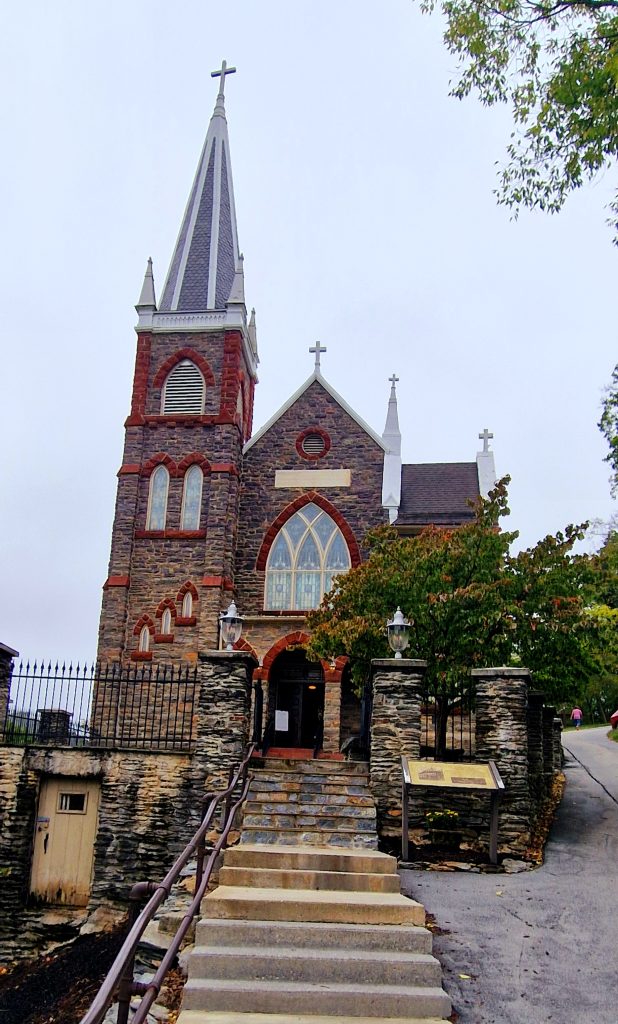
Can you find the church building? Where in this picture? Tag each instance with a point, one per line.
(208, 511)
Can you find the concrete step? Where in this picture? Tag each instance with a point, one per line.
(333, 998)
(314, 966)
(306, 837)
(277, 878)
(309, 785)
(231, 1017)
(313, 935)
(223, 1017)
(309, 858)
(303, 905)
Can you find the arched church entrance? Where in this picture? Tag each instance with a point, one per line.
(295, 701)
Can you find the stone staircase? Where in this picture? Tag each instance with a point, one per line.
(308, 925)
(313, 802)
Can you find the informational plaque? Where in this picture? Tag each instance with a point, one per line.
(281, 721)
(453, 776)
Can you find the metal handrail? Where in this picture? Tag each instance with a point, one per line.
(119, 979)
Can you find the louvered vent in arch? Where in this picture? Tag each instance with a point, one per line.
(313, 444)
(184, 390)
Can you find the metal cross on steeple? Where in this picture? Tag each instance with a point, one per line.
(318, 349)
(485, 437)
(222, 73)
(394, 379)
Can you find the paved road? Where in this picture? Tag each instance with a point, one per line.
(542, 945)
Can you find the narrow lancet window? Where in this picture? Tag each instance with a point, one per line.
(157, 499)
(192, 499)
(144, 639)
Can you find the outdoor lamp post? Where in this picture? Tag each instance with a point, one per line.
(231, 626)
(398, 632)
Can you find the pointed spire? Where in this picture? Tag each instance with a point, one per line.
(391, 479)
(205, 258)
(237, 291)
(147, 300)
(253, 334)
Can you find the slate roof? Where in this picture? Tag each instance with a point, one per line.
(437, 492)
(206, 254)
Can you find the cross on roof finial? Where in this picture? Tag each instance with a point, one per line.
(222, 73)
(485, 437)
(394, 379)
(318, 349)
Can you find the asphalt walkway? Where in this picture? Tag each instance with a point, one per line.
(541, 945)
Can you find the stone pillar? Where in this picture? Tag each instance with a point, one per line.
(557, 737)
(223, 714)
(395, 730)
(535, 746)
(332, 711)
(502, 736)
(6, 670)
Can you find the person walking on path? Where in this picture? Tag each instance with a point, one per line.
(576, 717)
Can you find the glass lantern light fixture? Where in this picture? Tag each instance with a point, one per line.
(231, 626)
(398, 632)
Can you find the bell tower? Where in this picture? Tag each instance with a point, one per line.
(171, 568)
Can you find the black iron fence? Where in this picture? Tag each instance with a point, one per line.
(448, 720)
(144, 706)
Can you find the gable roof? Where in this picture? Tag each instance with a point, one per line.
(315, 376)
(438, 493)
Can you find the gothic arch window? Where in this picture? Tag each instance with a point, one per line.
(192, 499)
(187, 605)
(184, 390)
(307, 554)
(166, 622)
(157, 499)
(144, 640)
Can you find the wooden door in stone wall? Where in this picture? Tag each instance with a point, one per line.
(64, 836)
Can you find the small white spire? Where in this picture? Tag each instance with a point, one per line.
(391, 478)
(147, 298)
(237, 291)
(252, 330)
(485, 465)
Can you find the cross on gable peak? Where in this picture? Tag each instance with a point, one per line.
(318, 348)
(485, 436)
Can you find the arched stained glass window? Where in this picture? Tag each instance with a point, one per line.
(308, 553)
(192, 499)
(166, 622)
(157, 499)
(187, 605)
(144, 639)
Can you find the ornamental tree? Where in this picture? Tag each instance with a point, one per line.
(556, 63)
(471, 603)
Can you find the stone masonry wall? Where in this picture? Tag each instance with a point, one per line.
(395, 730)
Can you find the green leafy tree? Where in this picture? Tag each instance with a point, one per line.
(470, 602)
(557, 65)
(608, 425)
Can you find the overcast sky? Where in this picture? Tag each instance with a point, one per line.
(366, 214)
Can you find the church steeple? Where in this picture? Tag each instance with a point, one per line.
(391, 480)
(206, 256)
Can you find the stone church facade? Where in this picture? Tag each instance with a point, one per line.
(209, 511)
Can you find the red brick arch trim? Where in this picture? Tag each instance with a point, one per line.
(297, 637)
(160, 459)
(194, 459)
(243, 645)
(144, 621)
(187, 587)
(288, 512)
(166, 603)
(177, 357)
